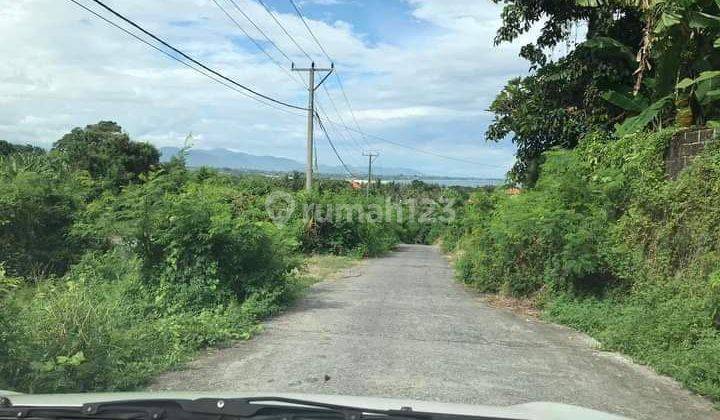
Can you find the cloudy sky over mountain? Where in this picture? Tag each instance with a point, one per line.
(417, 72)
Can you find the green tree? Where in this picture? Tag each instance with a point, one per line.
(106, 153)
(679, 44)
(557, 105)
(563, 99)
(7, 148)
(561, 20)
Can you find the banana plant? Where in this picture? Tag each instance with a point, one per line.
(680, 40)
(704, 89)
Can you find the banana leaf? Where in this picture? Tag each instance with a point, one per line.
(639, 122)
(626, 102)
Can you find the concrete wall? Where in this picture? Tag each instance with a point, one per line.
(683, 148)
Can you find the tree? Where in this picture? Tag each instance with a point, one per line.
(563, 100)
(7, 149)
(677, 60)
(106, 153)
(558, 104)
(610, 18)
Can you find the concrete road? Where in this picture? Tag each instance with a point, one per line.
(399, 326)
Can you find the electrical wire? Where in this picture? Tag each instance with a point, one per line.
(341, 134)
(352, 112)
(246, 89)
(160, 50)
(282, 27)
(337, 74)
(194, 61)
(264, 51)
(267, 38)
(427, 152)
(342, 121)
(312, 34)
(257, 44)
(327, 136)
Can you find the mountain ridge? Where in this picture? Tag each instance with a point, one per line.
(224, 158)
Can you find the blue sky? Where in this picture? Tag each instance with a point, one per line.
(417, 72)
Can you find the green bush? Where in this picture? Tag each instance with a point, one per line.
(39, 199)
(344, 223)
(546, 237)
(196, 248)
(100, 328)
(610, 246)
(65, 332)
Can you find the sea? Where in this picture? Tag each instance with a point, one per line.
(451, 182)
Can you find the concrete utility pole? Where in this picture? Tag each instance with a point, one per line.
(311, 115)
(371, 157)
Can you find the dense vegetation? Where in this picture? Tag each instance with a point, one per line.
(599, 237)
(114, 266)
(649, 63)
(605, 243)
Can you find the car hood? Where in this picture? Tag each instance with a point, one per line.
(527, 411)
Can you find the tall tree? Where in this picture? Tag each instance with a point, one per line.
(106, 153)
(563, 99)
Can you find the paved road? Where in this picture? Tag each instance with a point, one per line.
(399, 326)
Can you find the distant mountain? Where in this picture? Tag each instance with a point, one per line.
(223, 158)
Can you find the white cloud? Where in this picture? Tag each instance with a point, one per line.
(64, 68)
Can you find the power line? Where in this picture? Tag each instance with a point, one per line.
(234, 88)
(427, 152)
(186, 56)
(267, 38)
(327, 136)
(287, 33)
(340, 133)
(277, 21)
(342, 121)
(302, 18)
(257, 44)
(160, 50)
(352, 112)
(337, 75)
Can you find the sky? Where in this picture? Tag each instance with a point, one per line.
(417, 72)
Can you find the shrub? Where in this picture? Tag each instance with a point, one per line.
(100, 328)
(549, 236)
(39, 200)
(195, 247)
(344, 223)
(616, 249)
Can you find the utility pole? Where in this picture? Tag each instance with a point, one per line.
(311, 115)
(371, 157)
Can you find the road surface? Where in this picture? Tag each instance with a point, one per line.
(400, 326)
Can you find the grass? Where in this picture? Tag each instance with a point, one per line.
(324, 267)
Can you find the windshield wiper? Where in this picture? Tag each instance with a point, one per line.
(255, 408)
